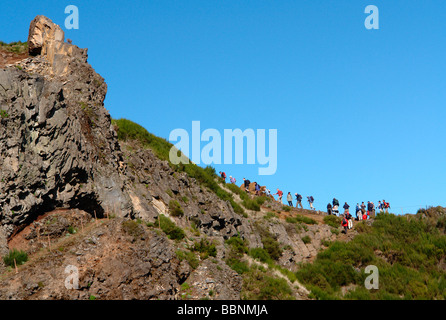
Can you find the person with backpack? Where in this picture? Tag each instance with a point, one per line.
(386, 206)
(329, 209)
(289, 198)
(363, 206)
(369, 208)
(380, 207)
(349, 218)
(223, 176)
(232, 179)
(246, 183)
(267, 192)
(257, 188)
(346, 208)
(335, 206)
(358, 212)
(279, 194)
(298, 200)
(310, 201)
(344, 224)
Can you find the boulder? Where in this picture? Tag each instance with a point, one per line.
(41, 32)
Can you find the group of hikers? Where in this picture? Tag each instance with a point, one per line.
(363, 211)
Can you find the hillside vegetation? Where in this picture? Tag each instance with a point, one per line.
(409, 252)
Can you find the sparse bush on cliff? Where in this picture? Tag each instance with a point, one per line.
(19, 256)
(175, 209)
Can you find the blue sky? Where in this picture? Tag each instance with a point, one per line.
(360, 113)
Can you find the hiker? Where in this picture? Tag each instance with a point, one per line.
(380, 207)
(346, 208)
(298, 200)
(280, 194)
(232, 179)
(372, 212)
(364, 216)
(257, 189)
(246, 183)
(344, 224)
(335, 206)
(358, 212)
(386, 206)
(310, 201)
(369, 208)
(329, 209)
(289, 198)
(363, 208)
(349, 218)
(267, 192)
(223, 176)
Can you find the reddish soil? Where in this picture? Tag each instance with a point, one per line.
(7, 57)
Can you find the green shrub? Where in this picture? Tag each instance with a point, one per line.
(237, 265)
(306, 239)
(175, 208)
(132, 228)
(20, 257)
(260, 254)
(205, 248)
(270, 243)
(237, 249)
(259, 286)
(332, 221)
(3, 114)
(269, 215)
(189, 257)
(72, 230)
(286, 208)
(170, 228)
(238, 245)
(300, 219)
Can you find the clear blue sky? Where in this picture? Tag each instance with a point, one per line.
(360, 113)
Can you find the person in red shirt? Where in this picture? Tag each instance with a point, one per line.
(344, 225)
(280, 194)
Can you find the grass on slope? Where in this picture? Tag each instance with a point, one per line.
(128, 130)
(408, 251)
(15, 47)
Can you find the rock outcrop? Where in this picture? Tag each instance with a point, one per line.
(57, 146)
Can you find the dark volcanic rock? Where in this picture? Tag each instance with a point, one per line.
(57, 146)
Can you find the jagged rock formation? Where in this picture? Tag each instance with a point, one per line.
(56, 142)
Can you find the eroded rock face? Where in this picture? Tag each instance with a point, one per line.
(57, 146)
(42, 32)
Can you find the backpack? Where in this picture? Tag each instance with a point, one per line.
(223, 175)
(299, 197)
(336, 202)
(344, 222)
(311, 199)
